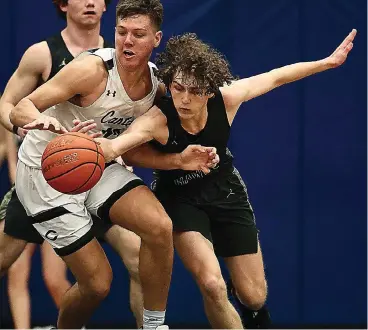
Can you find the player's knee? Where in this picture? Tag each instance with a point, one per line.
(213, 287)
(52, 282)
(254, 294)
(98, 287)
(17, 276)
(161, 233)
(132, 264)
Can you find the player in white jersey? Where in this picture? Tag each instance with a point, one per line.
(18, 238)
(111, 87)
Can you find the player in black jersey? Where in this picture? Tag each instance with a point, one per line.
(211, 213)
(39, 64)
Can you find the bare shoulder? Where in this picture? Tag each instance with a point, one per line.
(89, 65)
(37, 58)
(229, 93)
(83, 74)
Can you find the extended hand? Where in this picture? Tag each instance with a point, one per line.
(196, 157)
(46, 123)
(339, 56)
(85, 126)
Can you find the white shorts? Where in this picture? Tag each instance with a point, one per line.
(65, 220)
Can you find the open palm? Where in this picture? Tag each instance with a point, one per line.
(339, 56)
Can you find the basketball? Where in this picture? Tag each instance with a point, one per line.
(72, 163)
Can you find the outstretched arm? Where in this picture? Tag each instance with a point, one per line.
(152, 125)
(194, 157)
(79, 77)
(142, 130)
(245, 89)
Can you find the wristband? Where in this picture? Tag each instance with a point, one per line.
(15, 129)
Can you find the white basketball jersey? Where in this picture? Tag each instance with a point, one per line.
(113, 111)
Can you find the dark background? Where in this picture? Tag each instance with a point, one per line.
(301, 150)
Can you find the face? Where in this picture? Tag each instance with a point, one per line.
(87, 13)
(135, 38)
(188, 99)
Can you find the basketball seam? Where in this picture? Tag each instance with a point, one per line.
(58, 176)
(83, 137)
(55, 152)
(80, 187)
(72, 191)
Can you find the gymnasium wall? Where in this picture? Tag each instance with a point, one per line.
(301, 150)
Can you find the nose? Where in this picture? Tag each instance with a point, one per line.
(90, 3)
(128, 39)
(185, 98)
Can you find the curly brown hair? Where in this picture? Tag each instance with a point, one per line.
(195, 59)
(59, 3)
(151, 8)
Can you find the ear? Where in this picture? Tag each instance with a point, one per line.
(63, 7)
(158, 37)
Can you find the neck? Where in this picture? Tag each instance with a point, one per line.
(132, 78)
(196, 123)
(79, 39)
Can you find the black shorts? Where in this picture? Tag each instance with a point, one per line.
(219, 209)
(19, 225)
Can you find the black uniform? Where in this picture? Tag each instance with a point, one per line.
(17, 223)
(216, 205)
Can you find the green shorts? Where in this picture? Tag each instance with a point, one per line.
(5, 202)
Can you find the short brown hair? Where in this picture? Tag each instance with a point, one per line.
(151, 8)
(194, 58)
(59, 3)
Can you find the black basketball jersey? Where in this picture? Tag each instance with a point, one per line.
(215, 134)
(60, 54)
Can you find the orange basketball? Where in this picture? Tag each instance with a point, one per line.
(72, 163)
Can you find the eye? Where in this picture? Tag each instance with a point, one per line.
(178, 87)
(139, 35)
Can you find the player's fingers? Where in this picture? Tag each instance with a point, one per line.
(205, 169)
(63, 129)
(76, 122)
(349, 38)
(46, 124)
(95, 135)
(197, 148)
(87, 128)
(81, 125)
(211, 150)
(56, 125)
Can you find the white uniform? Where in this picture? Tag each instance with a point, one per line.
(65, 220)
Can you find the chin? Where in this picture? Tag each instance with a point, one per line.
(133, 64)
(185, 115)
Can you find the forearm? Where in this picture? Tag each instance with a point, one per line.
(24, 113)
(293, 72)
(5, 110)
(12, 156)
(146, 156)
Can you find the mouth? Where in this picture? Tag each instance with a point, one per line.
(89, 13)
(128, 53)
(184, 109)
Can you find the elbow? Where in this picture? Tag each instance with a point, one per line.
(15, 113)
(13, 116)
